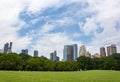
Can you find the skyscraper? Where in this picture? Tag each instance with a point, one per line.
(111, 49)
(35, 53)
(75, 51)
(65, 53)
(82, 51)
(68, 53)
(87, 54)
(6, 46)
(96, 55)
(102, 52)
(53, 56)
(25, 51)
(57, 59)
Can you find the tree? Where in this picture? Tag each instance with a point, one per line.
(74, 66)
(47, 65)
(110, 63)
(39, 64)
(84, 63)
(98, 63)
(24, 56)
(34, 64)
(116, 56)
(11, 62)
(59, 66)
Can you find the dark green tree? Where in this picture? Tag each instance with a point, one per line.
(84, 63)
(11, 62)
(34, 64)
(98, 63)
(116, 57)
(110, 63)
(24, 56)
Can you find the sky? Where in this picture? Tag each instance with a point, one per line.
(48, 25)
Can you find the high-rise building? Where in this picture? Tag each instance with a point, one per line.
(25, 51)
(75, 51)
(65, 53)
(35, 53)
(70, 52)
(96, 55)
(6, 46)
(57, 59)
(111, 49)
(53, 56)
(82, 51)
(102, 52)
(87, 54)
(11, 45)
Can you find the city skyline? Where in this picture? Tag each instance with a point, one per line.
(48, 25)
(70, 52)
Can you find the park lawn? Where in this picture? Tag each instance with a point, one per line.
(81, 76)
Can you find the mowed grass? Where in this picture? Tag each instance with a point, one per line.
(82, 76)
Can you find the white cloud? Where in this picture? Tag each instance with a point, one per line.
(89, 26)
(105, 13)
(39, 5)
(10, 24)
(46, 28)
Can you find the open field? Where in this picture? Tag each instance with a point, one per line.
(84, 76)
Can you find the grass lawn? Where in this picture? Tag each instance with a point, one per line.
(84, 76)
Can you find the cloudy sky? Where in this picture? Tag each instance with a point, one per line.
(48, 25)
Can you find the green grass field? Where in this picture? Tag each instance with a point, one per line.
(84, 76)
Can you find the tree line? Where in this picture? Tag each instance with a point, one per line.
(25, 62)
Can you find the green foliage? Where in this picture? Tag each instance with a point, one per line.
(39, 64)
(84, 63)
(116, 58)
(24, 56)
(98, 63)
(34, 64)
(110, 63)
(13, 61)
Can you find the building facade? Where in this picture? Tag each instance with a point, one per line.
(70, 52)
(102, 52)
(57, 59)
(96, 55)
(53, 56)
(111, 49)
(35, 53)
(25, 51)
(87, 54)
(8, 48)
(65, 53)
(75, 51)
(82, 51)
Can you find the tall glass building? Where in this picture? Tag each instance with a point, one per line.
(75, 51)
(70, 52)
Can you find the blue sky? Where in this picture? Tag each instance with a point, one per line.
(48, 25)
